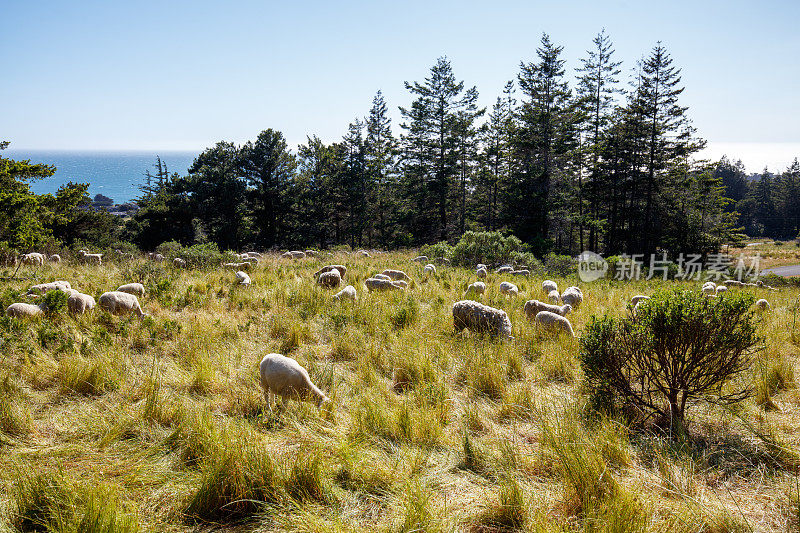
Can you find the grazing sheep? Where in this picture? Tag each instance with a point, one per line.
(22, 310)
(348, 293)
(179, 263)
(763, 305)
(363, 253)
(121, 303)
(243, 278)
(421, 259)
(155, 257)
(532, 307)
(396, 274)
(523, 272)
(287, 255)
(33, 258)
(237, 266)
(549, 286)
(382, 276)
(478, 318)
(376, 284)
(509, 289)
(132, 288)
(482, 272)
(709, 287)
(400, 283)
(310, 253)
(638, 298)
(341, 268)
(554, 321)
(42, 288)
(91, 258)
(572, 296)
(285, 377)
(248, 259)
(79, 303)
(721, 289)
(429, 269)
(734, 283)
(253, 254)
(478, 287)
(55, 258)
(330, 279)
(503, 269)
(554, 296)
(298, 254)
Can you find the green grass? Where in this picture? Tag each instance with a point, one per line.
(120, 424)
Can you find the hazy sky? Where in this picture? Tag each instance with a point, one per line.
(182, 75)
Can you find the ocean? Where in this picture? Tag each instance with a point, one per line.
(117, 175)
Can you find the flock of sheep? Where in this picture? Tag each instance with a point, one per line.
(284, 376)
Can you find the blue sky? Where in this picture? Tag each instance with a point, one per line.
(181, 75)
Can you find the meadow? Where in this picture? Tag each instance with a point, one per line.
(159, 424)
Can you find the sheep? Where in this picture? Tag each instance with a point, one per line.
(285, 377)
(421, 259)
(523, 272)
(549, 286)
(554, 297)
(136, 289)
(363, 253)
(638, 298)
(477, 317)
(481, 266)
(482, 272)
(396, 274)
(429, 269)
(179, 263)
(330, 279)
(243, 278)
(503, 269)
(42, 288)
(91, 258)
(441, 261)
(572, 296)
(532, 307)
(248, 259)
(341, 268)
(400, 283)
(734, 283)
(253, 254)
(33, 258)
(237, 266)
(79, 303)
(23, 310)
(348, 293)
(382, 276)
(375, 284)
(554, 321)
(709, 287)
(120, 303)
(310, 253)
(509, 289)
(55, 258)
(287, 255)
(478, 287)
(763, 305)
(721, 289)
(298, 254)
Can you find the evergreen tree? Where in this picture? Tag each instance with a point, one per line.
(379, 152)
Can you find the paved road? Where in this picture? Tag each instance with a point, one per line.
(785, 271)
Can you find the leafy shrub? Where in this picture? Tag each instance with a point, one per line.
(485, 247)
(169, 248)
(440, 249)
(778, 243)
(562, 265)
(680, 347)
(54, 302)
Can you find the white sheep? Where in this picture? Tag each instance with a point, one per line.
(638, 298)
(287, 255)
(121, 303)
(479, 318)
(400, 283)
(734, 283)
(572, 296)
(237, 266)
(429, 269)
(33, 258)
(763, 305)
(285, 377)
(503, 269)
(382, 276)
(91, 258)
(79, 303)
(721, 289)
(554, 321)
(375, 284)
(509, 289)
(55, 258)
(421, 259)
(42, 288)
(363, 253)
(253, 254)
(132, 288)
(554, 296)
(532, 307)
(478, 288)
(341, 268)
(22, 310)
(179, 263)
(523, 272)
(348, 293)
(330, 279)
(709, 287)
(243, 278)
(549, 286)
(481, 266)
(482, 272)
(396, 274)
(310, 253)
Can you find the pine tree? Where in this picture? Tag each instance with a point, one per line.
(379, 151)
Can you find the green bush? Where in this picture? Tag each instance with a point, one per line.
(561, 265)
(679, 348)
(440, 249)
(487, 247)
(54, 302)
